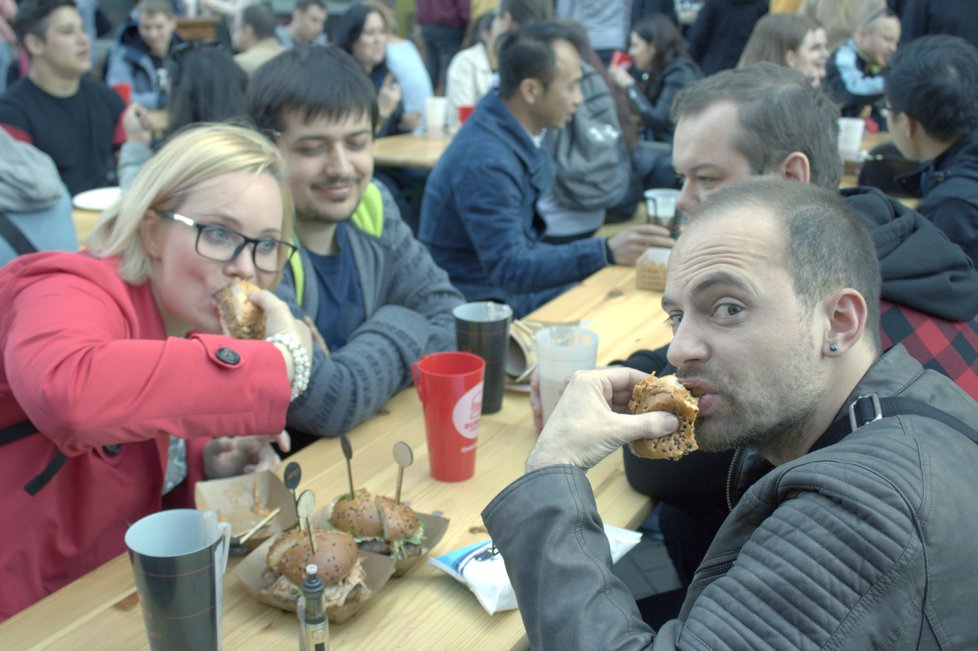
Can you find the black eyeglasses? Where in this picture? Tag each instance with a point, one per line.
(221, 244)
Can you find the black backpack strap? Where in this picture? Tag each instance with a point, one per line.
(24, 429)
(16, 432)
(17, 240)
(866, 409)
(42, 478)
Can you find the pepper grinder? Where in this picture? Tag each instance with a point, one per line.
(314, 625)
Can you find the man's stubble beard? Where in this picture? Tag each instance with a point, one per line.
(764, 419)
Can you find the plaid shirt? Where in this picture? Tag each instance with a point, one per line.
(948, 347)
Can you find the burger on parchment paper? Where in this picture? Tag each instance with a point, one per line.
(379, 524)
(336, 557)
(665, 394)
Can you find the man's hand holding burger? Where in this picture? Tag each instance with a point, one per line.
(592, 421)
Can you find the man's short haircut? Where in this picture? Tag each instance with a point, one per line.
(934, 80)
(153, 7)
(869, 20)
(527, 52)
(780, 112)
(827, 246)
(526, 11)
(303, 5)
(313, 81)
(32, 17)
(261, 19)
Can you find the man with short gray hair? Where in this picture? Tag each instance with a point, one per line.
(854, 74)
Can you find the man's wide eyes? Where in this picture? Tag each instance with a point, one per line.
(727, 310)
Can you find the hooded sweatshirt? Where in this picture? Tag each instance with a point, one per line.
(28, 177)
(949, 185)
(922, 269)
(33, 201)
(130, 62)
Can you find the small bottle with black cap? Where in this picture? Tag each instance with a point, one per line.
(314, 634)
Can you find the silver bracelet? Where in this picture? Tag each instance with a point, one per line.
(301, 364)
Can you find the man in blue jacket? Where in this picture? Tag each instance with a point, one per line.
(478, 216)
(932, 97)
(141, 52)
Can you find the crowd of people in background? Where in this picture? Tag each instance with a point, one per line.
(562, 113)
(842, 46)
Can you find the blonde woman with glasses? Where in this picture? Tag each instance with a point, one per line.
(114, 375)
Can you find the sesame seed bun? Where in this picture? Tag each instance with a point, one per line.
(665, 394)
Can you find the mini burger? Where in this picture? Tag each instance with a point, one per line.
(665, 394)
(239, 317)
(337, 560)
(379, 524)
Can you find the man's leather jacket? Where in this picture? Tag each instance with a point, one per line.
(868, 543)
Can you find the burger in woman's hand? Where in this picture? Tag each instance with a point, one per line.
(240, 318)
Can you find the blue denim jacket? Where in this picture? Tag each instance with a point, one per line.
(479, 221)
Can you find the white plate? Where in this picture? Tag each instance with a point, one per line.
(97, 199)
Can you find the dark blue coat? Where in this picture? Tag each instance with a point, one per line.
(478, 216)
(949, 184)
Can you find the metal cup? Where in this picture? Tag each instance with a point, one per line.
(178, 561)
(483, 328)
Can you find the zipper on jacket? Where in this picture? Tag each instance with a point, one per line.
(713, 572)
(730, 477)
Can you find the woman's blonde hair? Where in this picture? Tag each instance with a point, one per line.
(189, 158)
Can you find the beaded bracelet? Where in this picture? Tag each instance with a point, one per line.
(301, 364)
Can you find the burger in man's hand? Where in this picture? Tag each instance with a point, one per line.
(665, 393)
(379, 524)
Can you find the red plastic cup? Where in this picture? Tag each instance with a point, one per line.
(124, 90)
(464, 112)
(450, 388)
(621, 59)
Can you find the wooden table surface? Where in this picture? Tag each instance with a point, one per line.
(426, 609)
(409, 150)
